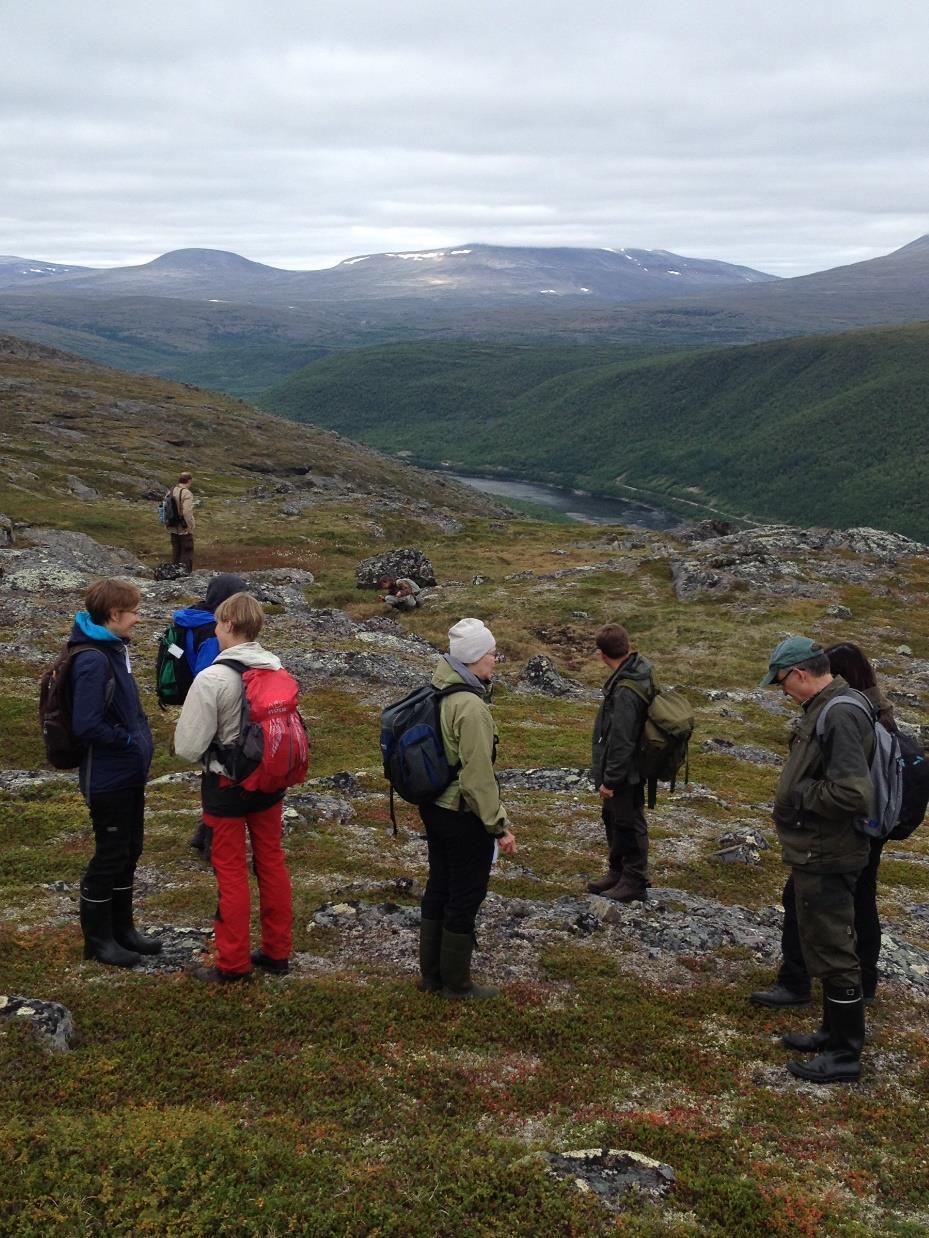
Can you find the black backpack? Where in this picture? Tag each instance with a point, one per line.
(56, 703)
(414, 757)
(915, 787)
(168, 510)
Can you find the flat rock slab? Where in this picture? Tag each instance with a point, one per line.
(51, 1023)
(612, 1174)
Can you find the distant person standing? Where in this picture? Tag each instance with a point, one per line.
(182, 529)
(617, 731)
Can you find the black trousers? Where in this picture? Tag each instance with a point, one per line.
(460, 856)
(627, 834)
(793, 972)
(182, 549)
(118, 821)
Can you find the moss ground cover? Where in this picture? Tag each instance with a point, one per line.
(345, 1102)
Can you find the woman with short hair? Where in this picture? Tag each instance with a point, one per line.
(108, 719)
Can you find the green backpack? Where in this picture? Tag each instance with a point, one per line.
(669, 724)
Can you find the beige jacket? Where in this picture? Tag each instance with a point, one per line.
(214, 704)
(185, 505)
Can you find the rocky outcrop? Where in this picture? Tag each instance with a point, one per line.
(539, 675)
(770, 559)
(62, 562)
(6, 531)
(611, 1174)
(50, 1022)
(406, 562)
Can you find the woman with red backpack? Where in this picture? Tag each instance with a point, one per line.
(240, 719)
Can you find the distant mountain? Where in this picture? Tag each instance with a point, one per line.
(825, 430)
(21, 272)
(467, 273)
(217, 319)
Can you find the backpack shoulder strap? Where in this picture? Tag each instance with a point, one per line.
(846, 698)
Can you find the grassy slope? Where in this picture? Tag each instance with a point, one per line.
(350, 1104)
(831, 430)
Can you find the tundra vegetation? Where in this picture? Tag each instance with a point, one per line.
(339, 1100)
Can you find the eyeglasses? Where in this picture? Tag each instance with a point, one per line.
(782, 679)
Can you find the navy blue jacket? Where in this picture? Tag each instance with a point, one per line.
(118, 741)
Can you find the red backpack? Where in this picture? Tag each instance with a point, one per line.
(272, 751)
(56, 702)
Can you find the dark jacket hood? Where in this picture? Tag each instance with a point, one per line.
(222, 587)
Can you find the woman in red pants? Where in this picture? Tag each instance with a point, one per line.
(207, 728)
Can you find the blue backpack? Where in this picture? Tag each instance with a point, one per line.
(414, 757)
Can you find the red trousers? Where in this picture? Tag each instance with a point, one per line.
(233, 912)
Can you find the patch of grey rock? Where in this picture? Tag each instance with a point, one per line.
(50, 1022)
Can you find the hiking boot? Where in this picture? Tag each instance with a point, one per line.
(603, 883)
(625, 892)
(274, 967)
(97, 927)
(430, 950)
(779, 995)
(455, 968)
(124, 930)
(212, 975)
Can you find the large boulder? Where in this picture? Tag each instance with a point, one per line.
(406, 562)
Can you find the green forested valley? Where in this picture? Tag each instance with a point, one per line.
(827, 430)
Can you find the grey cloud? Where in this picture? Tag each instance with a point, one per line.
(789, 138)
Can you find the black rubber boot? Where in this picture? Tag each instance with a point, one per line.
(810, 1042)
(604, 883)
(455, 968)
(779, 995)
(841, 1061)
(430, 950)
(97, 927)
(124, 931)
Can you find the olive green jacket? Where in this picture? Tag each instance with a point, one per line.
(824, 788)
(470, 736)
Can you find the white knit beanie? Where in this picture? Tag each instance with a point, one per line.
(469, 640)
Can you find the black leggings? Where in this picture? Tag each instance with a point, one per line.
(460, 855)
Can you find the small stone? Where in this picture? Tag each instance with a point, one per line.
(904, 651)
(839, 612)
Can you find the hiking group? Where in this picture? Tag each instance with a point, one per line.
(849, 782)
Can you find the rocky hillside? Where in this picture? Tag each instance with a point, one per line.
(622, 1052)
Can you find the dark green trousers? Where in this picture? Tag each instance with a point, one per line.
(826, 920)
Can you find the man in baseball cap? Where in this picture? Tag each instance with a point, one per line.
(823, 792)
(790, 652)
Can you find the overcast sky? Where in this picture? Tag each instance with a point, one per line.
(787, 136)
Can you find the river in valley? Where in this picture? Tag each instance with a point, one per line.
(586, 508)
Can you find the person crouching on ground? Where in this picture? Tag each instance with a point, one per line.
(211, 716)
(616, 735)
(467, 822)
(108, 719)
(401, 594)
